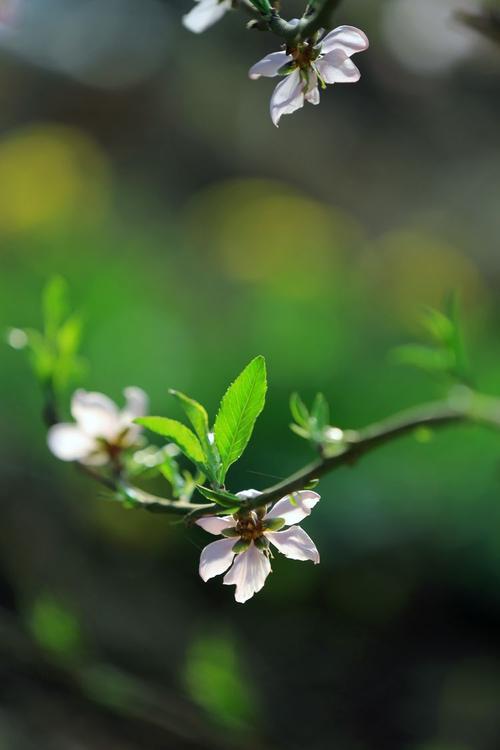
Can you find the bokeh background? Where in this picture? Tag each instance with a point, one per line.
(140, 163)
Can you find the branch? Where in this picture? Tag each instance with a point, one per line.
(463, 406)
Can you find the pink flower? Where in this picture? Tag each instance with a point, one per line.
(100, 429)
(245, 552)
(309, 66)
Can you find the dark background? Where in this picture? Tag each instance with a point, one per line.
(140, 163)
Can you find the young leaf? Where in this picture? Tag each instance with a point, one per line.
(226, 499)
(196, 414)
(55, 305)
(320, 412)
(179, 434)
(299, 410)
(240, 406)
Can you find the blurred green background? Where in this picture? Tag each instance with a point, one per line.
(139, 162)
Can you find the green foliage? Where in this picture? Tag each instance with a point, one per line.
(55, 628)
(53, 352)
(240, 406)
(181, 435)
(197, 415)
(445, 355)
(310, 424)
(225, 499)
(214, 680)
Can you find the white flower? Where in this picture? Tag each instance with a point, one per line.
(205, 13)
(307, 65)
(100, 430)
(247, 540)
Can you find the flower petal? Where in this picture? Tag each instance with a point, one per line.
(294, 543)
(293, 509)
(335, 67)
(205, 14)
(68, 443)
(216, 558)
(215, 524)
(312, 93)
(248, 574)
(269, 65)
(288, 96)
(96, 415)
(136, 405)
(348, 39)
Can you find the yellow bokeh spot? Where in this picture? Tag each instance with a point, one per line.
(262, 231)
(50, 173)
(409, 269)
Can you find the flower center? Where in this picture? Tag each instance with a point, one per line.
(250, 527)
(304, 55)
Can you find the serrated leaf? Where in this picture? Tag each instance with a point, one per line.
(225, 499)
(299, 410)
(55, 305)
(179, 434)
(195, 412)
(240, 406)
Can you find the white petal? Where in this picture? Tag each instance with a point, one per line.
(248, 494)
(68, 443)
(205, 14)
(248, 574)
(335, 67)
(96, 414)
(269, 65)
(215, 524)
(312, 93)
(216, 558)
(288, 96)
(348, 39)
(136, 405)
(294, 543)
(296, 509)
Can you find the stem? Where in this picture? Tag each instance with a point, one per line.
(463, 405)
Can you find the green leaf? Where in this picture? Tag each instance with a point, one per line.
(299, 410)
(226, 499)
(300, 431)
(196, 414)
(55, 305)
(461, 368)
(423, 357)
(240, 406)
(179, 434)
(320, 412)
(198, 417)
(170, 470)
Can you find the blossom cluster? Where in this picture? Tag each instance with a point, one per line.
(306, 65)
(100, 434)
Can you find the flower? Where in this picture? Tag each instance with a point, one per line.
(308, 65)
(205, 13)
(245, 548)
(100, 430)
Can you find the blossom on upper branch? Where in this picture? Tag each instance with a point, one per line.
(246, 551)
(100, 430)
(205, 13)
(310, 65)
